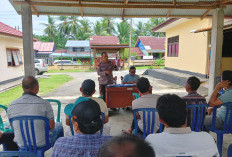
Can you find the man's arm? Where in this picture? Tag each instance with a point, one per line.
(106, 119)
(51, 124)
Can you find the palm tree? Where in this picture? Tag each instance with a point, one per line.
(108, 25)
(63, 27)
(50, 29)
(85, 30)
(98, 30)
(73, 25)
(123, 32)
(139, 31)
(152, 23)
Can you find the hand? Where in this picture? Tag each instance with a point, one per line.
(108, 72)
(222, 84)
(210, 110)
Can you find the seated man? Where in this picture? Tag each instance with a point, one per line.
(131, 78)
(146, 100)
(215, 100)
(86, 141)
(88, 89)
(191, 86)
(32, 105)
(126, 146)
(178, 139)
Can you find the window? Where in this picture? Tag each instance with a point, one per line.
(173, 46)
(82, 49)
(13, 57)
(75, 49)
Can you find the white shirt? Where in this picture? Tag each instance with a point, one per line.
(183, 142)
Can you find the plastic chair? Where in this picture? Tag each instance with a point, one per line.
(229, 152)
(135, 95)
(28, 134)
(17, 153)
(198, 114)
(4, 127)
(58, 119)
(148, 117)
(101, 131)
(227, 128)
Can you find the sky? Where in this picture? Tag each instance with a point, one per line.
(9, 16)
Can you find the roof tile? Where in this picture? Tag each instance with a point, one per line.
(155, 43)
(104, 40)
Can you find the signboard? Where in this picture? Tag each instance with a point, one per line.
(148, 57)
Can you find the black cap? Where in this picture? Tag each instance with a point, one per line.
(88, 87)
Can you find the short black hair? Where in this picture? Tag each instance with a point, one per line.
(88, 87)
(132, 67)
(103, 53)
(119, 146)
(227, 76)
(29, 82)
(172, 110)
(143, 84)
(194, 83)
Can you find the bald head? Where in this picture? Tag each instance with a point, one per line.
(30, 84)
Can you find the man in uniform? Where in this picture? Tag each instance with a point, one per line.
(104, 70)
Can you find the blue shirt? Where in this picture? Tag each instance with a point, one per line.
(129, 78)
(226, 97)
(79, 145)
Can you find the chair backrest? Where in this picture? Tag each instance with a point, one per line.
(58, 110)
(198, 112)
(102, 118)
(135, 95)
(5, 108)
(148, 117)
(229, 152)
(27, 130)
(17, 153)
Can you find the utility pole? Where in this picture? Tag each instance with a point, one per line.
(129, 59)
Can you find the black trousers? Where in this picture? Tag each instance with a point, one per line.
(103, 91)
(7, 140)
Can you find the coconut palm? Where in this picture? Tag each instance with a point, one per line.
(98, 30)
(50, 29)
(123, 32)
(108, 25)
(73, 25)
(63, 27)
(84, 30)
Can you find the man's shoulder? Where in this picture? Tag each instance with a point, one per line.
(127, 75)
(98, 100)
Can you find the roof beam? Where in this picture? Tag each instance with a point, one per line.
(205, 14)
(169, 12)
(123, 11)
(34, 10)
(81, 10)
(174, 3)
(129, 6)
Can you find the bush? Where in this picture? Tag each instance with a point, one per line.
(159, 62)
(79, 61)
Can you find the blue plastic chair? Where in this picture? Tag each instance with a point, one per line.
(28, 134)
(58, 119)
(101, 131)
(149, 118)
(135, 95)
(227, 128)
(198, 115)
(17, 153)
(5, 126)
(229, 152)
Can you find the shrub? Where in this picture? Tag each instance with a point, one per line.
(159, 62)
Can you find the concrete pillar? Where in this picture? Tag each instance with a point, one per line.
(29, 65)
(216, 48)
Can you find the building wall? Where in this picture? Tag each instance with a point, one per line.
(5, 71)
(193, 47)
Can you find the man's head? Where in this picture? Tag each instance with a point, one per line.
(86, 117)
(132, 71)
(30, 84)
(104, 56)
(88, 88)
(143, 85)
(192, 84)
(126, 146)
(227, 76)
(171, 110)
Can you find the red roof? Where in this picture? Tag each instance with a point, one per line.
(137, 51)
(44, 47)
(104, 40)
(155, 43)
(60, 51)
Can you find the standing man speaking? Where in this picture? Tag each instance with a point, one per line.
(105, 69)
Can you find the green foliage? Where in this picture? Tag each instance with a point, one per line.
(123, 32)
(79, 61)
(126, 54)
(159, 62)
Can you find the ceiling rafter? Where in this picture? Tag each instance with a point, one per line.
(124, 10)
(32, 7)
(169, 13)
(81, 10)
(205, 14)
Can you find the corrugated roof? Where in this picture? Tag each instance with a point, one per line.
(7, 30)
(104, 40)
(43, 47)
(151, 43)
(77, 43)
(86, 55)
(137, 51)
(60, 51)
(118, 8)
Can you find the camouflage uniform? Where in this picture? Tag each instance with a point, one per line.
(104, 78)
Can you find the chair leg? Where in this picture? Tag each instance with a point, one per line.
(40, 154)
(220, 143)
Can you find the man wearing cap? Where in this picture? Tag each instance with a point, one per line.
(104, 70)
(86, 141)
(88, 89)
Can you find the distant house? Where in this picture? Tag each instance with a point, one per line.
(188, 45)
(43, 50)
(149, 45)
(11, 54)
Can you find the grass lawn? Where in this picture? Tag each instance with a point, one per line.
(46, 85)
(69, 70)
